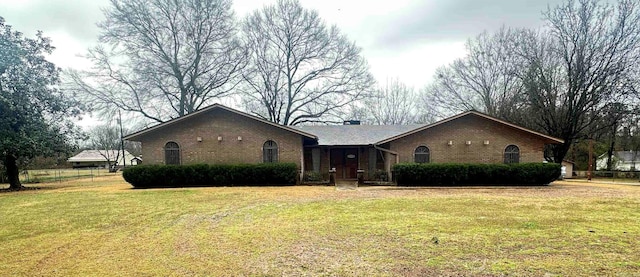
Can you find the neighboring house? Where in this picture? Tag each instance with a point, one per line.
(221, 135)
(622, 161)
(98, 158)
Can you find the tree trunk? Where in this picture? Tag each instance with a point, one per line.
(612, 146)
(559, 151)
(610, 156)
(12, 172)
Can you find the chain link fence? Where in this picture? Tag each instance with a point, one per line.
(631, 177)
(60, 175)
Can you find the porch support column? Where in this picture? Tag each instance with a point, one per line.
(315, 159)
(388, 155)
(301, 163)
(387, 164)
(373, 160)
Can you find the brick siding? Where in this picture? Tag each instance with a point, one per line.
(475, 129)
(228, 125)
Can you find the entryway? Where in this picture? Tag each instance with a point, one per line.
(345, 161)
(346, 185)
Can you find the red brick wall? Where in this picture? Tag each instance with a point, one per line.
(475, 129)
(230, 150)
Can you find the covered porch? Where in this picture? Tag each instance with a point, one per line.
(376, 162)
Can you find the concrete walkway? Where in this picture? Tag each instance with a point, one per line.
(346, 185)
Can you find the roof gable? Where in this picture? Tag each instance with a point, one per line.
(152, 129)
(471, 113)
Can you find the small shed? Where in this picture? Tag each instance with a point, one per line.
(567, 169)
(136, 161)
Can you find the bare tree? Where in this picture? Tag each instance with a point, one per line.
(393, 103)
(106, 139)
(162, 58)
(612, 121)
(484, 80)
(578, 66)
(560, 79)
(299, 69)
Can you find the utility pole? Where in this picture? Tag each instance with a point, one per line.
(590, 172)
(124, 158)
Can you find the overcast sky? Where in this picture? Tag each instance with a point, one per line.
(407, 39)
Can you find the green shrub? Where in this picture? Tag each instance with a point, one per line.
(381, 175)
(312, 176)
(476, 174)
(204, 175)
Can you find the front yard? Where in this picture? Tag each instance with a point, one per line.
(106, 228)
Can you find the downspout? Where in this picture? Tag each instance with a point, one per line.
(301, 177)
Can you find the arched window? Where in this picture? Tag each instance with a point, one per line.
(270, 152)
(421, 154)
(171, 153)
(512, 154)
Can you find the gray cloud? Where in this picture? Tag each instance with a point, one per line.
(76, 18)
(457, 20)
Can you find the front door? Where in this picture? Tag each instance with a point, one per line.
(345, 161)
(350, 163)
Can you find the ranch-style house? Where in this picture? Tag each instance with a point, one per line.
(222, 135)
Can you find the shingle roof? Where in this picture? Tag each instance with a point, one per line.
(355, 134)
(137, 134)
(550, 139)
(379, 134)
(627, 156)
(344, 134)
(98, 156)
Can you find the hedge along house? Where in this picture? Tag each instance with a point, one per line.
(221, 135)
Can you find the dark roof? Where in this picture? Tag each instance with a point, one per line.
(210, 108)
(474, 113)
(345, 134)
(355, 134)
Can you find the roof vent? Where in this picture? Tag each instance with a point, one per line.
(351, 122)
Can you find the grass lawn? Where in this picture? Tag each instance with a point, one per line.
(106, 228)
